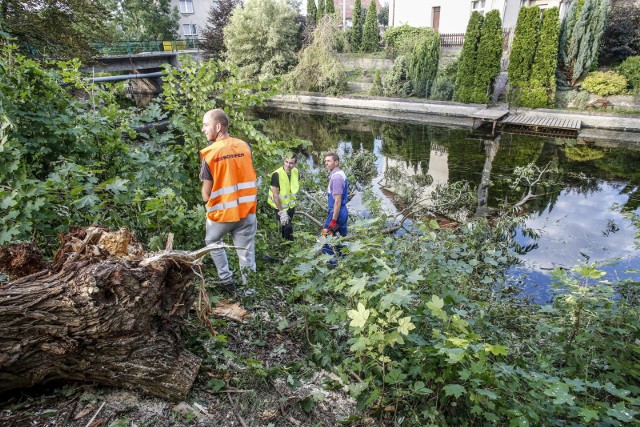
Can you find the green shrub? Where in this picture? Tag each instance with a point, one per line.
(376, 89)
(465, 79)
(370, 32)
(397, 80)
(524, 47)
(630, 68)
(442, 89)
(488, 57)
(319, 69)
(605, 83)
(541, 87)
(424, 63)
(399, 41)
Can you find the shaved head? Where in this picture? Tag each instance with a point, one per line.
(218, 116)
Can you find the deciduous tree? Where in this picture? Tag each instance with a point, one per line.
(213, 35)
(60, 29)
(261, 38)
(145, 20)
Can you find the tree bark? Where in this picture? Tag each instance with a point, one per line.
(102, 313)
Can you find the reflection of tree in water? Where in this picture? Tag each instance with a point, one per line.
(322, 130)
(624, 165)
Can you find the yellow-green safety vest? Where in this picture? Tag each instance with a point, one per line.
(288, 189)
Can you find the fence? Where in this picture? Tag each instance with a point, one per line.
(457, 39)
(449, 40)
(129, 47)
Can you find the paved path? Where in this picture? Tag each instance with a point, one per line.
(455, 114)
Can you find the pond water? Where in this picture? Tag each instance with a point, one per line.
(579, 220)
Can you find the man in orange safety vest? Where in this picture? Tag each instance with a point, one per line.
(230, 193)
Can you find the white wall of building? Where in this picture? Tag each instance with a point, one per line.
(455, 14)
(192, 13)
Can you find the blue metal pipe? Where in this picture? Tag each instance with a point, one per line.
(127, 77)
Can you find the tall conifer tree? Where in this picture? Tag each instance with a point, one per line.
(488, 58)
(465, 80)
(524, 47)
(356, 29)
(580, 35)
(320, 11)
(329, 7)
(370, 33)
(311, 12)
(541, 89)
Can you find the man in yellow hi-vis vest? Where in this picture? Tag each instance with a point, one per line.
(230, 193)
(282, 194)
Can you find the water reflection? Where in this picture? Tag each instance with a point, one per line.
(572, 218)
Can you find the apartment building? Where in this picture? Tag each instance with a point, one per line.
(193, 16)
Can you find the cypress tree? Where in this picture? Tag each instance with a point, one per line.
(466, 64)
(541, 89)
(579, 41)
(423, 64)
(329, 7)
(489, 56)
(524, 47)
(320, 10)
(356, 29)
(370, 33)
(311, 12)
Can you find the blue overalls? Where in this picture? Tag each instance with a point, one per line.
(343, 216)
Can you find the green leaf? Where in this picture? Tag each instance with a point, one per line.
(589, 414)
(118, 185)
(358, 317)
(215, 385)
(454, 390)
(615, 391)
(415, 276)
(400, 297)
(497, 350)
(436, 303)
(560, 392)
(357, 285)
(622, 413)
(405, 325)
(420, 388)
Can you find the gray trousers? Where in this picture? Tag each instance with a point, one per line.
(243, 234)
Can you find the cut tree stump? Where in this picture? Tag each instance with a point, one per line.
(103, 312)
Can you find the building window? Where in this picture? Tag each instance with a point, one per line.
(189, 29)
(477, 5)
(186, 6)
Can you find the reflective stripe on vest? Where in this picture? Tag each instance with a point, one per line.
(232, 189)
(288, 188)
(233, 193)
(231, 204)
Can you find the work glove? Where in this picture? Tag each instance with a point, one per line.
(284, 217)
(333, 226)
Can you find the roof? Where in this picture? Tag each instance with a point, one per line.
(349, 3)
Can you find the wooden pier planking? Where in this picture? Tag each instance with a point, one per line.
(487, 115)
(542, 124)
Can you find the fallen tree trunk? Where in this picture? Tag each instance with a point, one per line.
(102, 313)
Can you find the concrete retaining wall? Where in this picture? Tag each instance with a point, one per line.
(364, 63)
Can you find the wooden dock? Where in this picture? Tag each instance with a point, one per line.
(491, 116)
(542, 125)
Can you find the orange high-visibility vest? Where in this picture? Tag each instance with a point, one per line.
(234, 193)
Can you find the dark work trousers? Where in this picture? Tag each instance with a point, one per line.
(287, 230)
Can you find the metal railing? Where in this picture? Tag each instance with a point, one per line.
(131, 47)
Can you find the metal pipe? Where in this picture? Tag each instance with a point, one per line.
(127, 77)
